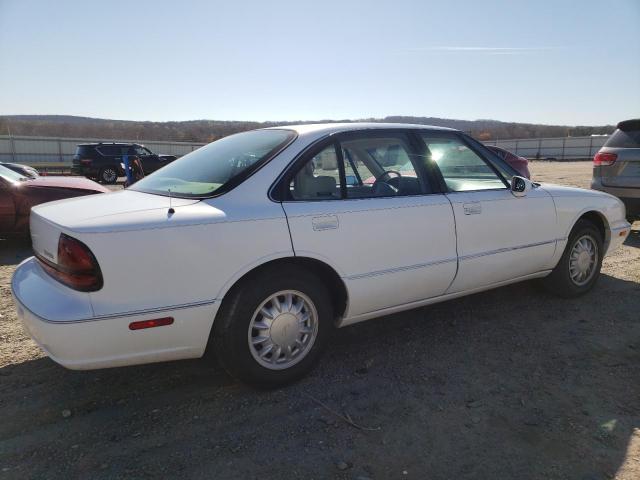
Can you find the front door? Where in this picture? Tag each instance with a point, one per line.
(500, 237)
(360, 204)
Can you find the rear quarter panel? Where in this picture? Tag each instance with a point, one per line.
(625, 171)
(191, 257)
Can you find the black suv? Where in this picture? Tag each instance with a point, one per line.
(102, 161)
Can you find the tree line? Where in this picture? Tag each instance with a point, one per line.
(205, 131)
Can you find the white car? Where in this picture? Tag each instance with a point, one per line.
(259, 244)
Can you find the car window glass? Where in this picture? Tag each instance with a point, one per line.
(140, 151)
(463, 170)
(379, 166)
(216, 167)
(10, 176)
(319, 177)
(374, 166)
(624, 139)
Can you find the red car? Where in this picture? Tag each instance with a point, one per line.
(521, 164)
(18, 194)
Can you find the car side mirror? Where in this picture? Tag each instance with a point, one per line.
(520, 186)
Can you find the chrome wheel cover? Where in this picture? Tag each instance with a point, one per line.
(283, 329)
(109, 175)
(583, 260)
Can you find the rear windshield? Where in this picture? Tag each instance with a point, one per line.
(10, 175)
(624, 139)
(214, 167)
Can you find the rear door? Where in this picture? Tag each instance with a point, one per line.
(359, 203)
(625, 144)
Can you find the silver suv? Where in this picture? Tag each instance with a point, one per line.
(616, 167)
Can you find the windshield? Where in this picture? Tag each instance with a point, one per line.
(222, 163)
(11, 176)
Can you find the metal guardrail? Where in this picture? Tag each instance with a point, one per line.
(57, 152)
(563, 148)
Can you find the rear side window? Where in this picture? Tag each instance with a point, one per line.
(624, 139)
(83, 150)
(113, 150)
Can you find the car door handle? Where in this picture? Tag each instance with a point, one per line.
(325, 222)
(472, 208)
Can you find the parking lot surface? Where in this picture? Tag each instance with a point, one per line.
(511, 383)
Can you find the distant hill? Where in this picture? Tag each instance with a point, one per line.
(209, 130)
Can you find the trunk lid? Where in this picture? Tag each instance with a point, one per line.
(126, 208)
(75, 183)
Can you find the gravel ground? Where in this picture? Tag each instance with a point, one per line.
(512, 383)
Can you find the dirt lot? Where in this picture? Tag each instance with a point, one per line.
(512, 383)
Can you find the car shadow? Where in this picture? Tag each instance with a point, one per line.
(633, 240)
(508, 383)
(14, 251)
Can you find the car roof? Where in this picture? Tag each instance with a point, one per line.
(633, 124)
(95, 144)
(329, 128)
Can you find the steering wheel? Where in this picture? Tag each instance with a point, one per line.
(383, 186)
(386, 176)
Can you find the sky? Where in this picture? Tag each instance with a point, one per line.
(546, 61)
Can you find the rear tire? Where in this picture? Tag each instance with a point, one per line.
(108, 175)
(273, 327)
(579, 267)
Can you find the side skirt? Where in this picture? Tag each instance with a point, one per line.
(441, 298)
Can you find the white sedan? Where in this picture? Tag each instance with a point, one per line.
(259, 244)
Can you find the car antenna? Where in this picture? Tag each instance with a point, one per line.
(171, 210)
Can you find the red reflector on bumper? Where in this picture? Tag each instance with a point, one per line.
(157, 322)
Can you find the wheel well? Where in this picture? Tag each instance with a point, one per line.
(599, 222)
(327, 275)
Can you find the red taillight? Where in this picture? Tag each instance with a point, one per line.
(157, 322)
(77, 268)
(603, 158)
(85, 161)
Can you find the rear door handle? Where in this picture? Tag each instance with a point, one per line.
(325, 222)
(472, 208)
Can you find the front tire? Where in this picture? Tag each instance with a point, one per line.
(273, 327)
(579, 267)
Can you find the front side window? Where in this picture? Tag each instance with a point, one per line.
(214, 167)
(140, 151)
(463, 170)
(370, 166)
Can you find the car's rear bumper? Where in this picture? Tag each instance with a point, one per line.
(630, 196)
(99, 342)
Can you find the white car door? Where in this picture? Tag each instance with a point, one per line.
(500, 236)
(391, 241)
